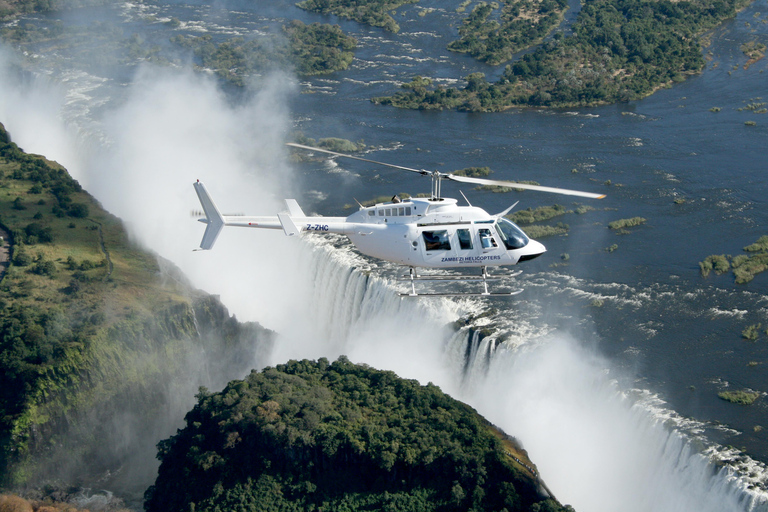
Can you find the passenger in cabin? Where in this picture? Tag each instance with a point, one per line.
(486, 239)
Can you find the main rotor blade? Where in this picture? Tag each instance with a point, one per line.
(310, 148)
(512, 184)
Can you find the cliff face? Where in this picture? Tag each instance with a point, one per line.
(103, 345)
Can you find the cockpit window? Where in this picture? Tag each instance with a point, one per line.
(512, 236)
(436, 240)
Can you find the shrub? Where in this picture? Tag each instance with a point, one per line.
(718, 263)
(751, 332)
(744, 397)
(37, 233)
(45, 268)
(78, 210)
(21, 258)
(626, 223)
(760, 246)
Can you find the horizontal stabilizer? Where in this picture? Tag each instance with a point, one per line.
(289, 227)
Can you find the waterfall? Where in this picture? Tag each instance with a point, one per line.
(599, 445)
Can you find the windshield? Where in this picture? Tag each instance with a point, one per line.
(512, 236)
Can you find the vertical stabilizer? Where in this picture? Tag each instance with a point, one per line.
(213, 217)
(294, 209)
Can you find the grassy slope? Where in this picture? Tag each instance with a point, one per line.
(89, 319)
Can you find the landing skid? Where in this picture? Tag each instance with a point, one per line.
(484, 278)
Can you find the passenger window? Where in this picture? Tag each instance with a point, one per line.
(407, 210)
(465, 239)
(402, 211)
(436, 240)
(486, 239)
(388, 212)
(381, 213)
(371, 212)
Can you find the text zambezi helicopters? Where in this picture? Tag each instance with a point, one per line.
(432, 232)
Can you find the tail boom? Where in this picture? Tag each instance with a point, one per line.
(293, 222)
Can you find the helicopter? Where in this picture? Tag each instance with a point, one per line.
(432, 232)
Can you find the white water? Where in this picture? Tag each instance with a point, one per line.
(597, 446)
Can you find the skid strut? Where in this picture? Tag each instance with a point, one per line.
(413, 276)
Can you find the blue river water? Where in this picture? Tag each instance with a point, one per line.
(699, 177)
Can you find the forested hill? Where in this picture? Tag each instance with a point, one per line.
(314, 435)
(101, 342)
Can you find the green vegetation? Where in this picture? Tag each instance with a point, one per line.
(717, 263)
(474, 172)
(626, 223)
(612, 248)
(315, 49)
(751, 332)
(754, 51)
(463, 6)
(745, 266)
(330, 143)
(760, 246)
(526, 218)
(337, 145)
(538, 231)
(540, 214)
(88, 320)
(620, 50)
(582, 209)
(758, 107)
(368, 12)
(493, 33)
(744, 397)
(314, 435)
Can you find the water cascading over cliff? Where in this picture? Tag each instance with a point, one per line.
(599, 445)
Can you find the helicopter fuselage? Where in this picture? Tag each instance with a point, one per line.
(439, 233)
(418, 232)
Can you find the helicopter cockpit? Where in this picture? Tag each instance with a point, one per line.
(511, 235)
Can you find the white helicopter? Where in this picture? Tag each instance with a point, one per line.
(432, 232)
